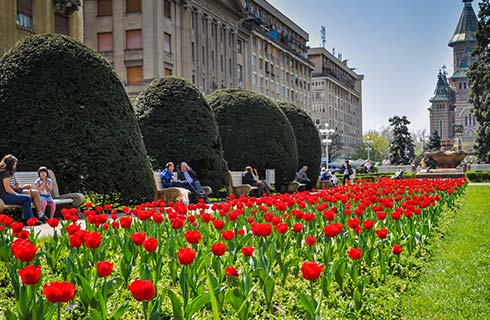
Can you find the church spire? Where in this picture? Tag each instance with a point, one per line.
(443, 90)
(467, 25)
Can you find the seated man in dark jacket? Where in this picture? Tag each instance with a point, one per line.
(189, 178)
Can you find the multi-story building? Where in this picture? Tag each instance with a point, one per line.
(280, 68)
(144, 40)
(214, 44)
(450, 107)
(337, 99)
(22, 18)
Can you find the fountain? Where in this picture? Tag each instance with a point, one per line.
(448, 159)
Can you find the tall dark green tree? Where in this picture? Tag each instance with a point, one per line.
(434, 142)
(402, 149)
(64, 107)
(480, 83)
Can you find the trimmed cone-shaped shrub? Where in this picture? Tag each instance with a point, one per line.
(255, 132)
(178, 125)
(63, 106)
(307, 139)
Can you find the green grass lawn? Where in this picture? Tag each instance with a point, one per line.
(455, 283)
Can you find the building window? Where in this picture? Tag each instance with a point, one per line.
(239, 74)
(133, 6)
(193, 52)
(167, 9)
(134, 75)
(212, 59)
(167, 42)
(133, 39)
(254, 60)
(254, 80)
(104, 8)
(440, 129)
(239, 46)
(222, 64)
(104, 42)
(203, 56)
(168, 72)
(24, 14)
(61, 24)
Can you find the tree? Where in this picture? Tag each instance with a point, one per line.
(255, 132)
(379, 146)
(65, 108)
(480, 83)
(307, 139)
(335, 147)
(434, 142)
(178, 125)
(401, 147)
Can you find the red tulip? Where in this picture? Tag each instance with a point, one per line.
(396, 249)
(104, 268)
(311, 270)
(76, 240)
(30, 274)
(92, 239)
(17, 227)
(150, 244)
(218, 224)
(355, 253)
(382, 233)
(218, 249)
(368, 224)
(126, 222)
(310, 240)
(53, 222)
(228, 235)
(31, 221)
(23, 250)
(186, 256)
(248, 251)
(261, 229)
(332, 230)
(142, 290)
(297, 227)
(193, 236)
(72, 229)
(138, 238)
(56, 292)
(231, 272)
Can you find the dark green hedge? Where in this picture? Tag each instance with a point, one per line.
(382, 175)
(255, 132)
(307, 139)
(178, 125)
(63, 106)
(478, 176)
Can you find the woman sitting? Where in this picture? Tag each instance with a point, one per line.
(251, 179)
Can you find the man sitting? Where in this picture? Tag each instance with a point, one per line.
(302, 177)
(189, 176)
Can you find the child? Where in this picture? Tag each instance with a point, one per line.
(45, 186)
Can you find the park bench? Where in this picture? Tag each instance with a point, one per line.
(69, 200)
(172, 193)
(235, 185)
(295, 186)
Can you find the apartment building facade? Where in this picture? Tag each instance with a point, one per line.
(337, 98)
(23, 18)
(214, 44)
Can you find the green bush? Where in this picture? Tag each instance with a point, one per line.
(478, 176)
(64, 107)
(255, 132)
(178, 125)
(307, 139)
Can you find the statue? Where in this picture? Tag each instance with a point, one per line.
(67, 7)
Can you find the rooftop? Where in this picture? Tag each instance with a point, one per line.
(467, 25)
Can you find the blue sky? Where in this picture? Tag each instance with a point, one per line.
(399, 45)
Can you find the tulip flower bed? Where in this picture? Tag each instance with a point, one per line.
(274, 256)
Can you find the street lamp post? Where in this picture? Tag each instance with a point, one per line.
(325, 131)
(368, 148)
